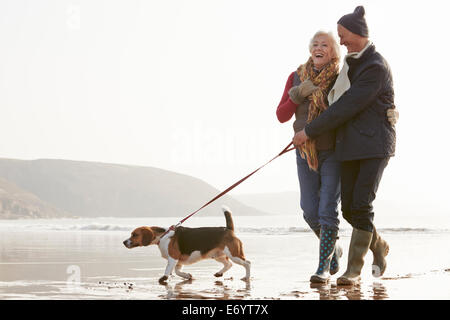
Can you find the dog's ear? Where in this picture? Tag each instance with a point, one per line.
(147, 236)
(158, 230)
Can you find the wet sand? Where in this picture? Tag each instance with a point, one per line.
(95, 265)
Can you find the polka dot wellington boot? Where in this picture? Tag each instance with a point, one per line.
(334, 265)
(327, 247)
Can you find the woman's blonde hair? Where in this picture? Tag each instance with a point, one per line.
(334, 44)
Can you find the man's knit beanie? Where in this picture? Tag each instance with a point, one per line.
(355, 22)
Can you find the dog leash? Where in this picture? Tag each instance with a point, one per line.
(173, 227)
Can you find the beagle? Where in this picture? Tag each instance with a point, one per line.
(184, 246)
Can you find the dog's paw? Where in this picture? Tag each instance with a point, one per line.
(218, 274)
(188, 276)
(163, 280)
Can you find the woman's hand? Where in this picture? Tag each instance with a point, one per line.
(300, 92)
(392, 116)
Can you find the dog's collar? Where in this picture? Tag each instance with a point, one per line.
(166, 232)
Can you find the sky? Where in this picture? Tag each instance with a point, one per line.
(192, 86)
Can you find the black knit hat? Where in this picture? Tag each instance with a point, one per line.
(355, 22)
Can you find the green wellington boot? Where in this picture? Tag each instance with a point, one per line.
(359, 245)
(334, 265)
(380, 249)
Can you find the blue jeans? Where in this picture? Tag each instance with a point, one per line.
(320, 191)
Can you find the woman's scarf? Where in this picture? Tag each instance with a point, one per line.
(323, 79)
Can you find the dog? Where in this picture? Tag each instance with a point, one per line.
(184, 246)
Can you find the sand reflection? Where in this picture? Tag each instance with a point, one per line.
(375, 291)
(187, 289)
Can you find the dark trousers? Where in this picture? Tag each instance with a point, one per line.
(359, 185)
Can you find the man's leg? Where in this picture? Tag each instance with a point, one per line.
(349, 174)
(361, 215)
(367, 187)
(364, 192)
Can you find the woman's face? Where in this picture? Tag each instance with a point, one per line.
(321, 51)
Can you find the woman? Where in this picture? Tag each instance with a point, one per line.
(305, 95)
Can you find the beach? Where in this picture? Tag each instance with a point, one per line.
(84, 259)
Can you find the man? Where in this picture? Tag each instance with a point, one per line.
(365, 140)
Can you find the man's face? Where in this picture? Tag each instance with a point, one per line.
(349, 39)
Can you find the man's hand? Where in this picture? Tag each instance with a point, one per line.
(299, 138)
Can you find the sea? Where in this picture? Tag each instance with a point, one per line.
(84, 258)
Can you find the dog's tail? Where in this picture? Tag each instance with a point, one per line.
(229, 220)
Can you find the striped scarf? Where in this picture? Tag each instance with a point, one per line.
(318, 101)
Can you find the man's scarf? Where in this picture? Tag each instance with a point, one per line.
(323, 79)
(342, 83)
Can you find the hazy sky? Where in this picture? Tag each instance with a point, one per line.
(192, 86)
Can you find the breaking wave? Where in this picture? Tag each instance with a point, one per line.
(273, 230)
(263, 230)
(291, 230)
(87, 227)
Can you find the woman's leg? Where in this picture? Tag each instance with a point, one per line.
(330, 196)
(309, 182)
(330, 190)
(329, 171)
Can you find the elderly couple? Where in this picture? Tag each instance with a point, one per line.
(344, 135)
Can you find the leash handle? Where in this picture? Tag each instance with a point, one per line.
(173, 227)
